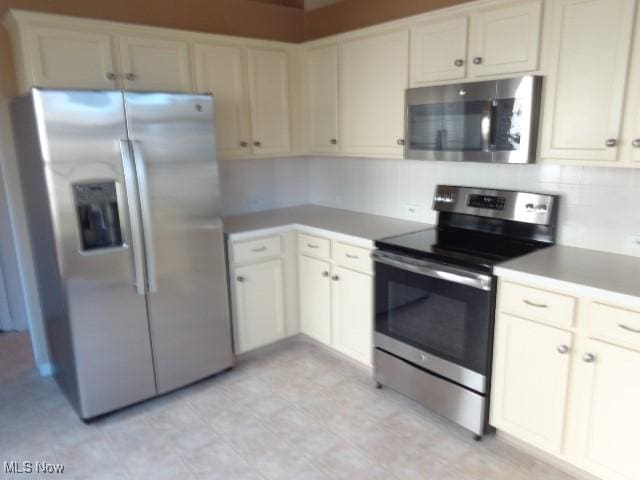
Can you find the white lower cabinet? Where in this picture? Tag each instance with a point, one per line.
(531, 375)
(315, 298)
(324, 292)
(571, 389)
(352, 317)
(608, 411)
(258, 304)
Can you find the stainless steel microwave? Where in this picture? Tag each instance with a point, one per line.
(493, 121)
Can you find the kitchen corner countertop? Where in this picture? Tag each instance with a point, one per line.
(561, 266)
(346, 222)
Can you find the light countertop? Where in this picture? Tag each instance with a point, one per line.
(562, 266)
(346, 222)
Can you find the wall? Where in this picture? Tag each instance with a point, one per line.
(352, 14)
(598, 208)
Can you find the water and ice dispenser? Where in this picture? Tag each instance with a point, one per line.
(98, 220)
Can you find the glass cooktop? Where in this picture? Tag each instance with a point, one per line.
(461, 247)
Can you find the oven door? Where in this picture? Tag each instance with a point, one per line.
(437, 317)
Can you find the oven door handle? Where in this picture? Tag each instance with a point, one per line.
(434, 270)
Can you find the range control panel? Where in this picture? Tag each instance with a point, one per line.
(537, 208)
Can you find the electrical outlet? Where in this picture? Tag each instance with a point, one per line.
(634, 241)
(412, 212)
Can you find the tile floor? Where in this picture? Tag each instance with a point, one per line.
(297, 412)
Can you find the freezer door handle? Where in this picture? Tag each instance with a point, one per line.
(147, 232)
(134, 215)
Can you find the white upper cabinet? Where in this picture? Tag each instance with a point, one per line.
(531, 376)
(62, 58)
(219, 70)
(155, 65)
(608, 417)
(373, 79)
(439, 50)
(268, 72)
(589, 49)
(321, 77)
(505, 39)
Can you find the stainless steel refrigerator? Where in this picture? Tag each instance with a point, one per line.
(123, 205)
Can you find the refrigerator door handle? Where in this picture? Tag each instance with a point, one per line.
(143, 186)
(134, 216)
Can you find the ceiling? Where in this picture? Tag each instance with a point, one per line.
(301, 4)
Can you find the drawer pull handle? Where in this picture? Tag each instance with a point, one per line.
(563, 349)
(325, 274)
(259, 249)
(354, 257)
(628, 329)
(240, 278)
(312, 245)
(534, 304)
(588, 358)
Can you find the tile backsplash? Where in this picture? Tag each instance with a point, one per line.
(599, 209)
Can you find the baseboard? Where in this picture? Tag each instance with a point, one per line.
(545, 457)
(45, 369)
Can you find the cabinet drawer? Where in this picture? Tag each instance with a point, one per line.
(614, 324)
(356, 258)
(256, 249)
(537, 304)
(314, 246)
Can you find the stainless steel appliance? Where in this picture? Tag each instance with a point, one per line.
(435, 295)
(123, 204)
(492, 121)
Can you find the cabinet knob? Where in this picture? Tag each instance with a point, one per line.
(401, 141)
(325, 274)
(130, 76)
(334, 141)
(563, 349)
(240, 278)
(335, 278)
(110, 76)
(459, 62)
(477, 60)
(256, 144)
(244, 144)
(636, 143)
(611, 142)
(589, 358)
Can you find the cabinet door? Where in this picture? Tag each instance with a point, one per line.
(70, 59)
(152, 64)
(505, 39)
(373, 78)
(352, 316)
(219, 71)
(322, 94)
(269, 99)
(259, 310)
(608, 408)
(439, 51)
(589, 52)
(315, 298)
(531, 369)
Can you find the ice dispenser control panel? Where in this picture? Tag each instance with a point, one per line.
(98, 220)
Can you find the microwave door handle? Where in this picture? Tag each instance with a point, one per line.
(442, 272)
(486, 125)
(134, 215)
(147, 231)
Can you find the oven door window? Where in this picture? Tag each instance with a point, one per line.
(443, 318)
(456, 126)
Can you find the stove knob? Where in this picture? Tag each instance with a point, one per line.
(541, 208)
